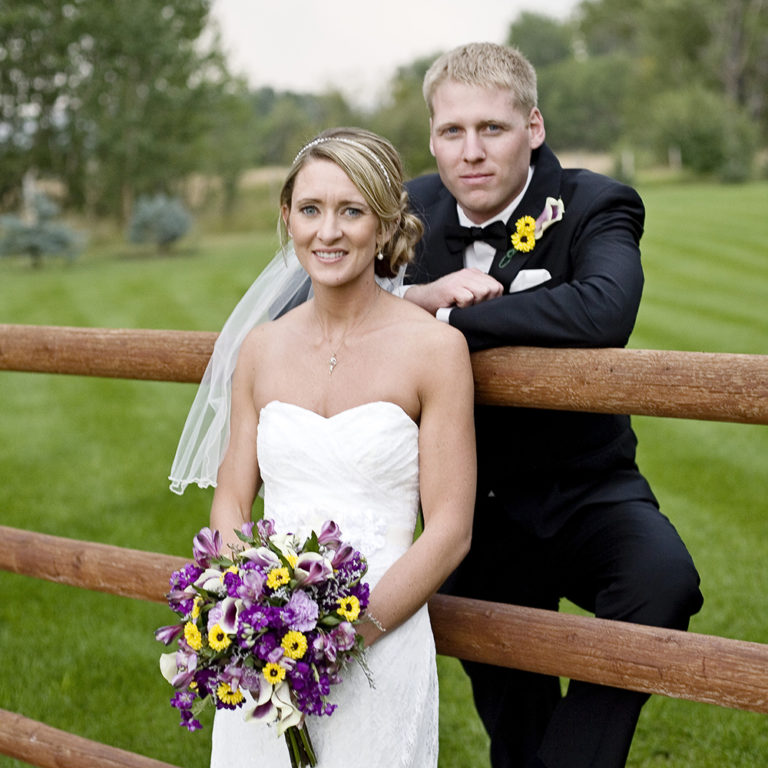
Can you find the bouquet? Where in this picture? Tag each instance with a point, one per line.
(276, 619)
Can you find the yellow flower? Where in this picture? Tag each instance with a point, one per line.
(227, 695)
(273, 673)
(192, 636)
(524, 236)
(196, 607)
(292, 560)
(349, 607)
(525, 224)
(277, 577)
(218, 639)
(294, 644)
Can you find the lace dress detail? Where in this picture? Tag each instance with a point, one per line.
(359, 468)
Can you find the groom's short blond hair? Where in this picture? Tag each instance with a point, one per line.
(486, 65)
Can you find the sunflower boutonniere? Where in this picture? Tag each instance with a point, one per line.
(528, 230)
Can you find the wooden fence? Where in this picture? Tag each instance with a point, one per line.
(709, 386)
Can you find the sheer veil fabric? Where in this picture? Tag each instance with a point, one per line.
(282, 285)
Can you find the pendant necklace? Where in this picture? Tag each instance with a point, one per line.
(333, 360)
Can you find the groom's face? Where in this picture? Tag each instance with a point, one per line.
(482, 143)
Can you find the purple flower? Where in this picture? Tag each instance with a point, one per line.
(265, 528)
(312, 568)
(247, 529)
(362, 592)
(207, 545)
(185, 576)
(207, 682)
(189, 722)
(324, 647)
(183, 699)
(343, 554)
(301, 612)
(265, 645)
(330, 534)
(186, 663)
(352, 569)
(262, 557)
(251, 585)
(231, 583)
(168, 634)
(224, 614)
(344, 636)
(181, 600)
(256, 617)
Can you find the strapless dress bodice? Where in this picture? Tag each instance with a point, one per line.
(359, 467)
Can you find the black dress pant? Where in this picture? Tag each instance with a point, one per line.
(619, 561)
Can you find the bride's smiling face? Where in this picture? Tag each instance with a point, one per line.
(333, 228)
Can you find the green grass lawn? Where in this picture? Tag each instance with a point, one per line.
(88, 458)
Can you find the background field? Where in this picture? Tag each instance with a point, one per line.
(88, 458)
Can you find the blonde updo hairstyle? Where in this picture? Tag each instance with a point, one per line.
(485, 65)
(374, 167)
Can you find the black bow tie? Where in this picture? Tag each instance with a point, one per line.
(458, 237)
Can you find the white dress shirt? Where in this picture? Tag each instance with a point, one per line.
(479, 255)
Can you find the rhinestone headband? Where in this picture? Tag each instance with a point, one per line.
(352, 143)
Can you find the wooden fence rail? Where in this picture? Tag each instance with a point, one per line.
(690, 385)
(731, 673)
(707, 386)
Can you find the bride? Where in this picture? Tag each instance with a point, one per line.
(355, 406)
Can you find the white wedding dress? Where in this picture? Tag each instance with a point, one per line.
(360, 469)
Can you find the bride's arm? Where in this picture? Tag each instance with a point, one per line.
(447, 478)
(238, 479)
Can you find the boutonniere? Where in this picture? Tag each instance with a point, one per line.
(528, 230)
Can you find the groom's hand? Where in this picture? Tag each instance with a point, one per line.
(459, 289)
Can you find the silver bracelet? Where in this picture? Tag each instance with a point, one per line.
(376, 623)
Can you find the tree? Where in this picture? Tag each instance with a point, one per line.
(689, 57)
(38, 70)
(39, 235)
(159, 220)
(110, 97)
(403, 118)
(542, 39)
(583, 101)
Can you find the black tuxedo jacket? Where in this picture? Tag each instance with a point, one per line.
(544, 464)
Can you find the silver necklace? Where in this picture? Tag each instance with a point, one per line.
(333, 360)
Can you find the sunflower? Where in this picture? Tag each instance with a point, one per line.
(349, 607)
(294, 644)
(192, 636)
(218, 639)
(227, 695)
(273, 673)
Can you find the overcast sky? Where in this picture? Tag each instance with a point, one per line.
(312, 45)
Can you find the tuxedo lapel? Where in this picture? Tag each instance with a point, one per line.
(438, 258)
(545, 183)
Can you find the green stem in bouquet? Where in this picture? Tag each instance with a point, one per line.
(300, 747)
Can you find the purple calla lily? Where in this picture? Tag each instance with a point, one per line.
(343, 554)
(263, 557)
(330, 534)
(206, 545)
(312, 568)
(168, 634)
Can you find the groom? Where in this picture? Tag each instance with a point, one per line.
(562, 509)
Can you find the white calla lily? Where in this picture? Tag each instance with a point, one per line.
(230, 611)
(289, 714)
(168, 666)
(211, 581)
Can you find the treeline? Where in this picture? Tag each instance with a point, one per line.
(133, 97)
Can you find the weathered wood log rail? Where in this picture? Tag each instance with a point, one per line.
(688, 385)
(709, 386)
